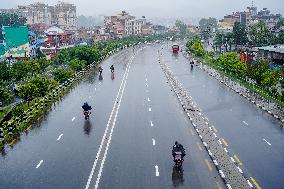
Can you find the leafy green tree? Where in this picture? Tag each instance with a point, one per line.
(218, 41)
(198, 48)
(6, 96)
(28, 91)
(240, 34)
(44, 63)
(77, 65)
(5, 71)
(20, 70)
(42, 84)
(18, 111)
(231, 63)
(207, 26)
(61, 75)
(259, 34)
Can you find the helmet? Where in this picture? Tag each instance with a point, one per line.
(176, 142)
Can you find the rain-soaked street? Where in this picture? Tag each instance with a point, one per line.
(134, 122)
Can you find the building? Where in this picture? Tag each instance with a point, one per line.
(56, 40)
(274, 54)
(17, 43)
(63, 14)
(123, 24)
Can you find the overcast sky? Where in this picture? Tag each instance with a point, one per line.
(159, 8)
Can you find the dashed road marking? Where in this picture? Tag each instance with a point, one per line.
(245, 123)
(39, 164)
(151, 123)
(154, 142)
(59, 137)
(146, 85)
(266, 141)
(199, 146)
(73, 118)
(150, 109)
(208, 165)
(238, 160)
(146, 80)
(255, 183)
(157, 170)
(148, 99)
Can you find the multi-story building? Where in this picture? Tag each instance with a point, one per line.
(63, 14)
(124, 24)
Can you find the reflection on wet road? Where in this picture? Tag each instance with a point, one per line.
(134, 122)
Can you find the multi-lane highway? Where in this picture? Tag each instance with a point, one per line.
(135, 120)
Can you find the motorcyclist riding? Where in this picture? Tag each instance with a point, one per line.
(178, 148)
(111, 68)
(100, 70)
(86, 107)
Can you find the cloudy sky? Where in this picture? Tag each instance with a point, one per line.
(159, 8)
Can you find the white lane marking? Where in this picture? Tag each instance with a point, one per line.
(150, 109)
(152, 124)
(39, 164)
(95, 89)
(146, 85)
(59, 137)
(112, 128)
(149, 100)
(105, 133)
(245, 123)
(157, 170)
(154, 142)
(266, 141)
(146, 80)
(73, 118)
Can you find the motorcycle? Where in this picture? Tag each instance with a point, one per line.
(178, 159)
(87, 115)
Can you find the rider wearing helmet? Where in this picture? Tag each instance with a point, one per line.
(100, 70)
(178, 148)
(111, 68)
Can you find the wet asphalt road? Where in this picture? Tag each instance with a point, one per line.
(254, 138)
(59, 150)
(141, 118)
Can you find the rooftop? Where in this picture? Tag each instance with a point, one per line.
(274, 48)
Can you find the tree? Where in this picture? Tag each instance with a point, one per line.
(77, 65)
(43, 63)
(218, 41)
(43, 85)
(198, 49)
(5, 71)
(207, 26)
(231, 63)
(182, 28)
(20, 70)
(28, 91)
(259, 34)
(61, 75)
(240, 34)
(6, 96)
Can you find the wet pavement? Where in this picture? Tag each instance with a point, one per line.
(134, 122)
(254, 137)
